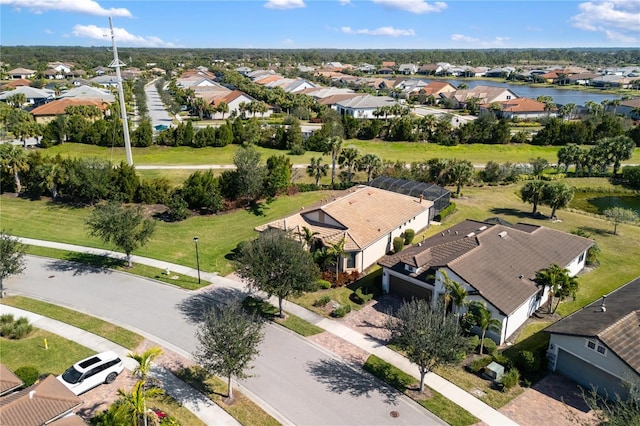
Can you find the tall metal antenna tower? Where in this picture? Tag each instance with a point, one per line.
(125, 124)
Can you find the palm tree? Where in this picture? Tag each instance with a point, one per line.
(52, 174)
(560, 284)
(484, 321)
(317, 170)
(17, 100)
(134, 404)
(460, 173)
(557, 195)
(371, 164)
(222, 108)
(336, 251)
(349, 158)
(308, 236)
(144, 361)
(532, 192)
(13, 159)
(457, 293)
(333, 147)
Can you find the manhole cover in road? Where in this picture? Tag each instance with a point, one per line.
(52, 276)
(394, 414)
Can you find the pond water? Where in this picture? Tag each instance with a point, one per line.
(598, 203)
(560, 96)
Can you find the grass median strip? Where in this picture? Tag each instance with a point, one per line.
(270, 312)
(119, 335)
(433, 401)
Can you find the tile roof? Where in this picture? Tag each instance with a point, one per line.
(367, 101)
(618, 326)
(521, 105)
(89, 92)
(362, 215)
(73, 420)
(633, 103)
(38, 404)
(8, 380)
(58, 106)
(499, 261)
(21, 71)
(12, 84)
(29, 93)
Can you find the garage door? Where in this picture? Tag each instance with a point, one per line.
(589, 376)
(407, 290)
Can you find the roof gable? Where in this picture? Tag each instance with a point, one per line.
(8, 380)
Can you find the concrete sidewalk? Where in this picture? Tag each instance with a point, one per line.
(201, 406)
(479, 409)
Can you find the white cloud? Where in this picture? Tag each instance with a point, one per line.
(287, 42)
(284, 4)
(496, 42)
(614, 18)
(413, 6)
(88, 7)
(462, 37)
(122, 36)
(382, 31)
(344, 2)
(47, 31)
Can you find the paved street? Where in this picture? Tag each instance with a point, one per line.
(157, 112)
(305, 384)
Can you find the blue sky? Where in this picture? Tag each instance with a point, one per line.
(352, 24)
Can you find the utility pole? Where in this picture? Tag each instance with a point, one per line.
(125, 124)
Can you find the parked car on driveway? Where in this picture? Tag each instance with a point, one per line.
(91, 372)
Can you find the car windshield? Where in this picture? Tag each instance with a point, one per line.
(71, 375)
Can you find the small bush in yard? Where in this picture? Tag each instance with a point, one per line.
(15, 329)
(408, 236)
(21, 330)
(6, 319)
(510, 379)
(398, 244)
(489, 346)
(28, 374)
(324, 284)
(477, 365)
(472, 343)
(528, 361)
(322, 301)
(341, 311)
(361, 296)
(502, 360)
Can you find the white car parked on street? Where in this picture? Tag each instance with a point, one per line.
(91, 372)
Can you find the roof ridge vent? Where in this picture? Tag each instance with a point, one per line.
(482, 228)
(502, 234)
(471, 234)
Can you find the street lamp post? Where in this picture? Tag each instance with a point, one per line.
(195, 240)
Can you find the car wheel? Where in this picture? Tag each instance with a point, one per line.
(111, 378)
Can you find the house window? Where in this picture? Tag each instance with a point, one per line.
(596, 346)
(508, 97)
(581, 258)
(351, 260)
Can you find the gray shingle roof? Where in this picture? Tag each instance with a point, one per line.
(618, 326)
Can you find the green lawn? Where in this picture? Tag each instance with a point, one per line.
(30, 351)
(172, 242)
(119, 335)
(391, 151)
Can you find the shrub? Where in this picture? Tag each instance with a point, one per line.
(489, 346)
(308, 187)
(28, 374)
(445, 212)
(510, 379)
(478, 364)
(398, 244)
(472, 343)
(408, 236)
(16, 329)
(502, 360)
(6, 318)
(341, 311)
(528, 361)
(322, 301)
(324, 284)
(362, 295)
(388, 373)
(6, 330)
(21, 330)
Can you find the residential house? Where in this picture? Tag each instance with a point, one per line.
(363, 218)
(521, 108)
(500, 72)
(34, 96)
(483, 94)
(583, 78)
(598, 345)
(53, 74)
(195, 81)
(495, 263)
(76, 74)
(407, 69)
(244, 70)
(630, 108)
(437, 88)
(105, 80)
(612, 80)
(367, 68)
(325, 92)
(233, 100)
(364, 106)
(101, 70)
(49, 111)
(64, 68)
(429, 69)
(18, 73)
(12, 84)
(46, 402)
(89, 92)
(333, 100)
(9, 382)
(385, 71)
(388, 64)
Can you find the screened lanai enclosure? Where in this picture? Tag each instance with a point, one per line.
(440, 196)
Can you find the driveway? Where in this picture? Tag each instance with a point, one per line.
(157, 111)
(305, 384)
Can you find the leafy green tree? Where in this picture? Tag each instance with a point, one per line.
(617, 149)
(538, 165)
(316, 169)
(614, 410)
(278, 177)
(568, 155)
(11, 258)
(371, 164)
(556, 195)
(228, 341)
(482, 318)
(532, 192)
(143, 134)
(125, 182)
(278, 265)
(125, 227)
(460, 172)
(250, 173)
(13, 160)
(619, 215)
(560, 284)
(631, 174)
(293, 136)
(427, 339)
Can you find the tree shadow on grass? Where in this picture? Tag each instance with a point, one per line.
(340, 377)
(597, 231)
(196, 306)
(84, 263)
(516, 213)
